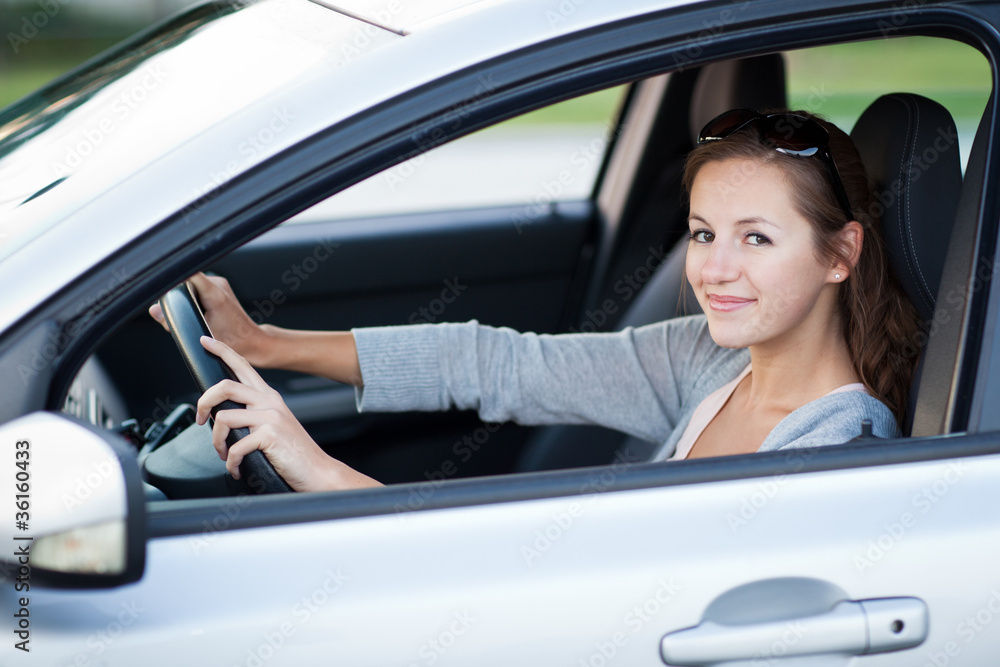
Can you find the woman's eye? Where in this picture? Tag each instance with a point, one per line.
(755, 238)
(702, 236)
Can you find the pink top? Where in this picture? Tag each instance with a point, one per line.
(708, 408)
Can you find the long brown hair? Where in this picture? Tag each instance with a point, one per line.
(878, 319)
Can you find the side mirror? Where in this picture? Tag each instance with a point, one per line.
(77, 514)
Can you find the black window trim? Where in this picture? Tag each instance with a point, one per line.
(173, 518)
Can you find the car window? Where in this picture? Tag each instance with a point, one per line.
(553, 154)
(839, 81)
(556, 153)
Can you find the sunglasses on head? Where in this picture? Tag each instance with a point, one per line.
(788, 133)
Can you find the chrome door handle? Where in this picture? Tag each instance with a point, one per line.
(851, 627)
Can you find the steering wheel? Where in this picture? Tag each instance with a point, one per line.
(187, 324)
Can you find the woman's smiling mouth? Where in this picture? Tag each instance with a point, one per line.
(725, 304)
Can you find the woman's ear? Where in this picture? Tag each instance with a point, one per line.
(851, 238)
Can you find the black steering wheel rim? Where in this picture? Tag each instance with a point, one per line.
(187, 325)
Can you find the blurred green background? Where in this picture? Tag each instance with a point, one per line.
(42, 39)
(840, 81)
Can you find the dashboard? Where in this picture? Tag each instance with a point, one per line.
(94, 398)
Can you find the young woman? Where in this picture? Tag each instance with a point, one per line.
(802, 314)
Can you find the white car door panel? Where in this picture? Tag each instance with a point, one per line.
(593, 579)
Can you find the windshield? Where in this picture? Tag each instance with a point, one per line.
(82, 134)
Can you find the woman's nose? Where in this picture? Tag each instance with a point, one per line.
(721, 264)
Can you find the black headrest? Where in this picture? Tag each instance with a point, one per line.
(757, 83)
(909, 146)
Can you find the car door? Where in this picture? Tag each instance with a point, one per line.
(601, 573)
(832, 552)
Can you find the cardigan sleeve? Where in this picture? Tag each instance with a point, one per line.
(634, 380)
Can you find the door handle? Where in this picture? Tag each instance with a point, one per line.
(851, 627)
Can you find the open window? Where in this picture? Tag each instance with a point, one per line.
(529, 224)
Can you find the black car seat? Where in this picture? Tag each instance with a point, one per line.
(909, 145)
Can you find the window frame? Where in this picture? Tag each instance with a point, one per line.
(615, 54)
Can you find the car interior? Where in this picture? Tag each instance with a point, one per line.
(552, 275)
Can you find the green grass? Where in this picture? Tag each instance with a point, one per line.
(597, 107)
(15, 85)
(42, 60)
(945, 63)
(840, 81)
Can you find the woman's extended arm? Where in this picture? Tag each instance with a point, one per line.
(331, 354)
(633, 380)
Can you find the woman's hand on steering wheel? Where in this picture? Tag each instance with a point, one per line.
(227, 319)
(273, 429)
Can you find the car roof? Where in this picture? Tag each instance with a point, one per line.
(405, 17)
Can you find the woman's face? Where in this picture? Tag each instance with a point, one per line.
(752, 259)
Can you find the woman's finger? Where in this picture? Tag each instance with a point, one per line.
(229, 390)
(220, 431)
(157, 314)
(215, 294)
(227, 420)
(294, 468)
(238, 418)
(240, 366)
(205, 287)
(240, 450)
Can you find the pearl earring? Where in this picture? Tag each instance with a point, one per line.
(837, 276)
